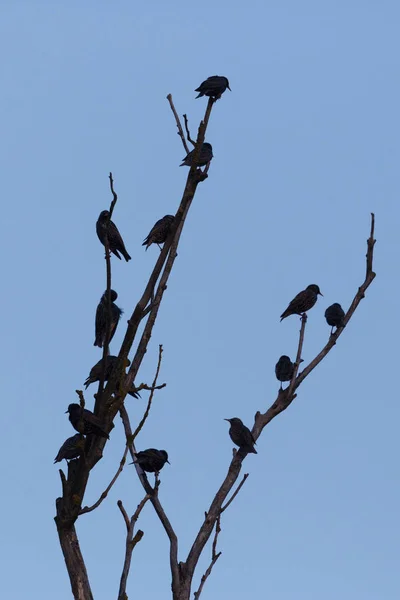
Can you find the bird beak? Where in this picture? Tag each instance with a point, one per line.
(229, 88)
(227, 420)
(65, 412)
(320, 294)
(132, 463)
(168, 462)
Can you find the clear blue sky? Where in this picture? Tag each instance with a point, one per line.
(305, 146)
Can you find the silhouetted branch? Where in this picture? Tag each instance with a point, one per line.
(187, 130)
(104, 495)
(239, 487)
(81, 398)
(214, 557)
(115, 197)
(173, 553)
(289, 392)
(178, 123)
(124, 513)
(131, 542)
(153, 387)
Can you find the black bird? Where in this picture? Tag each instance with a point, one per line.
(160, 231)
(71, 448)
(97, 371)
(151, 460)
(213, 86)
(206, 155)
(303, 301)
(334, 316)
(284, 369)
(102, 318)
(241, 435)
(84, 421)
(115, 241)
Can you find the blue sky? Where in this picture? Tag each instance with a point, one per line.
(305, 147)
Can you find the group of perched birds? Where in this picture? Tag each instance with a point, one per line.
(284, 368)
(82, 419)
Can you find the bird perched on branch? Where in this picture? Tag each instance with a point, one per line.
(84, 421)
(303, 301)
(160, 231)
(334, 316)
(102, 319)
(213, 86)
(205, 156)
(284, 369)
(71, 448)
(96, 373)
(151, 460)
(241, 435)
(104, 228)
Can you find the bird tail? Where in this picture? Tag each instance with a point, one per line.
(253, 450)
(284, 315)
(126, 255)
(134, 394)
(97, 343)
(146, 242)
(87, 383)
(198, 95)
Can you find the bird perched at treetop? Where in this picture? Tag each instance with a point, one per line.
(160, 231)
(96, 373)
(303, 301)
(102, 318)
(213, 86)
(284, 369)
(334, 316)
(106, 227)
(151, 460)
(205, 156)
(84, 421)
(71, 448)
(241, 435)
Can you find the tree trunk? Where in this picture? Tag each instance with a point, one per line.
(75, 565)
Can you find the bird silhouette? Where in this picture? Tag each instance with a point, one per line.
(204, 158)
(104, 228)
(213, 86)
(303, 301)
(102, 319)
(284, 369)
(84, 421)
(334, 316)
(241, 435)
(151, 460)
(96, 373)
(71, 448)
(160, 231)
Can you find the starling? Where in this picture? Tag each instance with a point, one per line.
(84, 421)
(71, 448)
(241, 435)
(205, 156)
(160, 231)
(97, 371)
(115, 241)
(303, 301)
(334, 316)
(101, 319)
(151, 460)
(213, 86)
(284, 369)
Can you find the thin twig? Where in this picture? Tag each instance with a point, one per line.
(178, 123)
(239, 487)
(289, 392)
(87, 509)
(131, 542)
(153, 387)
(81, 398)
(124, 514)
(187, 130)
(114, 194)
(214, 557)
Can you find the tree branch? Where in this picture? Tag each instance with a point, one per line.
(261, 420)
(104, 495)
(178, 123)
(131, 542)
(153, 387)
(239, 487)
(187, 130)
(214, 557)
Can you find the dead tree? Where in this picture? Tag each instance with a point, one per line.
(110, 401)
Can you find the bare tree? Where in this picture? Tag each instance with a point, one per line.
(110, 401)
